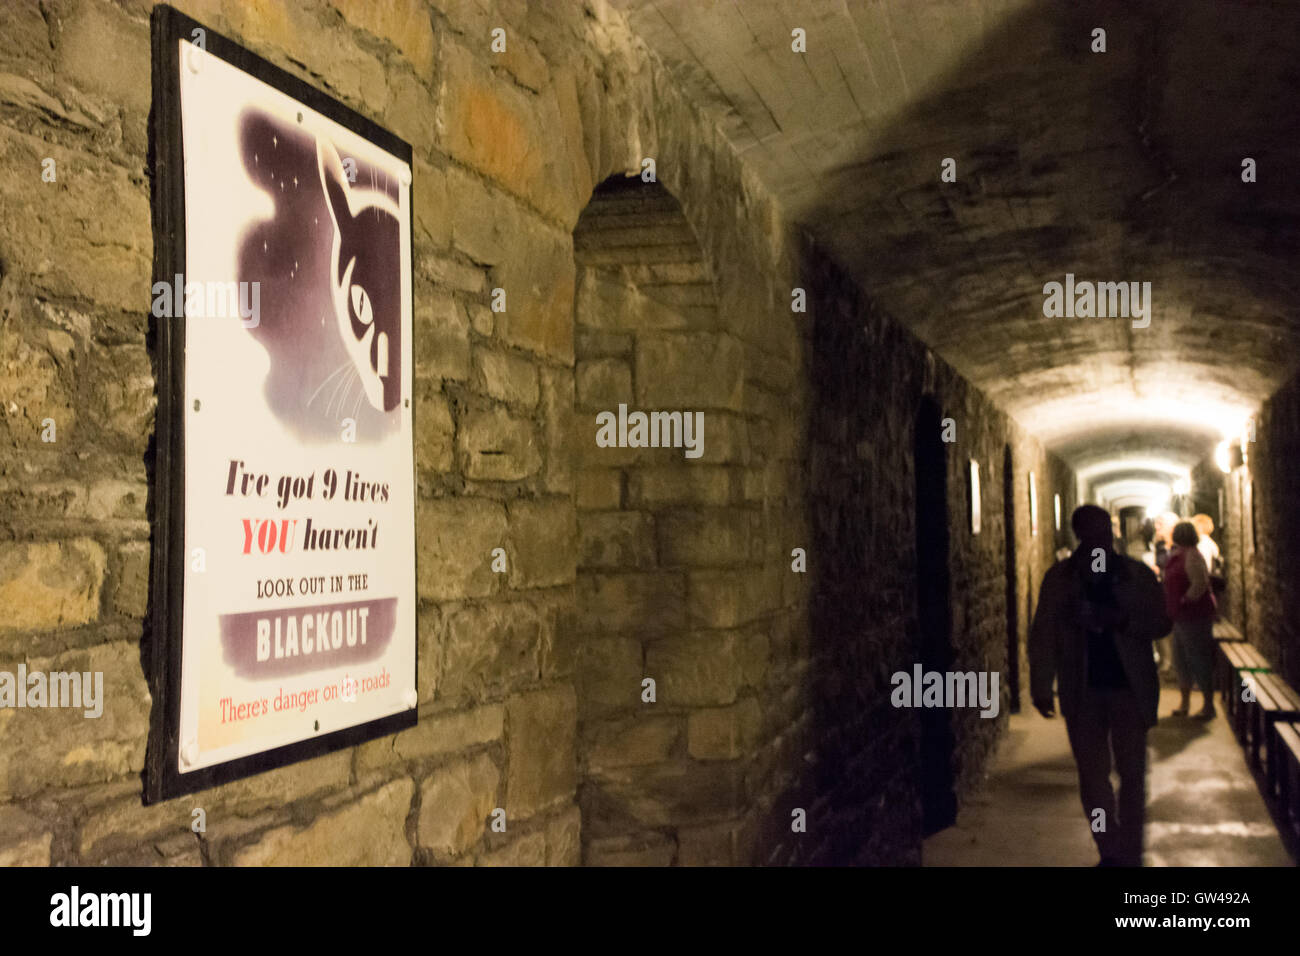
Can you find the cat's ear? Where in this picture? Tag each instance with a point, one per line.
(334, 180)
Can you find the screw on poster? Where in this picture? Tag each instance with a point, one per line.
(284, 586)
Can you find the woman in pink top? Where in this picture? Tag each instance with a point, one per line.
(1190, 604)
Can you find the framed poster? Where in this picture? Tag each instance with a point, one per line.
(283, 616)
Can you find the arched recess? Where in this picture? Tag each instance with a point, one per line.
(666, 542)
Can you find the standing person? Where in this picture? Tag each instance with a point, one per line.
(1164, 524)
(1190, 603)
(1098, 614)
(1208, 547)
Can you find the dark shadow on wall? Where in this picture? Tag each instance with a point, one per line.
(1111, 153)
(934, 611)
(1013, 621)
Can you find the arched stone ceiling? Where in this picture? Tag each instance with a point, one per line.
(1121, 166)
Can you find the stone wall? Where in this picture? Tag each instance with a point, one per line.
(869, 380)
(530, 693)
(508, 148)
(1262, 498)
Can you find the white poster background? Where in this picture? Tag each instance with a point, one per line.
(226, 417)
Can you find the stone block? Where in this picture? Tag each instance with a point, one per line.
(406, 24)
(542, 770)
(63, 747)
(35, 386)
(616, 539)
(527, 850)
(608, 672)
(631, 743)
(507, 378)
(98, 51)
(694, 670)
(284, 785)
(434, 736)
(435, 431)
(429, 205)
(675, 793)
(707, 538)
(492, 126)
(687, 483)
(300, 35)
(599, 489)
(121, 824)
(441, 331)
(455, 538)
(368, 831)
(48, 584)
(695, 370)
(564, 838)
(557, 427)
(113, 498)
(648, 849)
(724, 733)
(107, 258)
(489, 650)
(123, 385)
(131, 596)
(647, 603)
(455, 803)
(721, 599)
(496, 445)
(542, 535)
(24, 839)
(429, 638)
(604, 383)
(718, 844)
(538, 283)
(607, 302)
(593, 343)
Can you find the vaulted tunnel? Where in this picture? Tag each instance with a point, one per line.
(925, 276)
(953, 159)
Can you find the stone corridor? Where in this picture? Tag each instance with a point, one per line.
(748, 354)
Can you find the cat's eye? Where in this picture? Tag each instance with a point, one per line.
(361, 305)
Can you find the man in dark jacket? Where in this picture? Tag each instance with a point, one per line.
(1098, 614)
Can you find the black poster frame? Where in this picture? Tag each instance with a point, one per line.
(164, 638)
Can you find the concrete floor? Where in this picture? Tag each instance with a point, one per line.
(1203, 805)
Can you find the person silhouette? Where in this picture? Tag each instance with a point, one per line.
(1098, 614)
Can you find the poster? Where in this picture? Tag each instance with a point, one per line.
(292, 545)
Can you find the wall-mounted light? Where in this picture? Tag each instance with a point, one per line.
(1228, 456)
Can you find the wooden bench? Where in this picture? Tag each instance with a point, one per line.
(1224, 674)
(1275, 700)
(1225, 631)
(1288, 774)
(1242, 659)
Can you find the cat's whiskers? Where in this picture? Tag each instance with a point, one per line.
(344, 380)
(343, 367)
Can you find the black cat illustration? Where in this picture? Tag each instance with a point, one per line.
(329, 265)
